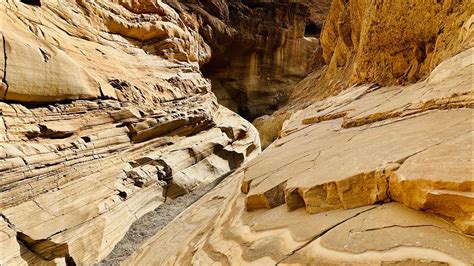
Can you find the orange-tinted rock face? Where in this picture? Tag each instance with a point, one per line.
(383, 42)
(387, 42)
(372, 176)
(260, 50)
(393, 42)
(376, 169)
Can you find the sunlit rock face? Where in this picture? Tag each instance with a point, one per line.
(373, 176)
(110, 107)
(387, 43)
(104, 114)
(372, 161)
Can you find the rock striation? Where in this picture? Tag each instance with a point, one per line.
(104, 114)
(389, 43)
(359, 131)
(374, 175)
(386, 43)
(261, 49)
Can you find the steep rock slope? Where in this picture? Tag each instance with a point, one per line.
(383, 42)
(261, 49)
(387, 42)
(379, 173)
(103, 114)
(309, 197)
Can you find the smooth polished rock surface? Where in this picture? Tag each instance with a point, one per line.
(309, 197)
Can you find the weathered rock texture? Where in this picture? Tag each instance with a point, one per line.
(261, 49)
(387, 42)
(309, 198)
(103, 114)
(382, 42)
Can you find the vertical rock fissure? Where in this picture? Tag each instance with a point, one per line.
(4, 77)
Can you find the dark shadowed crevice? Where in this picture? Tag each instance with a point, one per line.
(32, 2)
(46, 249)
(4, 77)
(312, 29)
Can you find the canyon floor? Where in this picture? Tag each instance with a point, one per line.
(236, 132)
(378, 162)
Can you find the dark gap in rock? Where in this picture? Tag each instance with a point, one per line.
(45, 248)
(32, 2)
(312, 29)
(70, 261)
(123, 194)
(46, 55)
(48, 133)
(234, 159)
(250, 149)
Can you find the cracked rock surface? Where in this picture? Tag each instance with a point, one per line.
(374, 175)
(104, 114)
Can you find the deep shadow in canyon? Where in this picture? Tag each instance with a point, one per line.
(263, 51)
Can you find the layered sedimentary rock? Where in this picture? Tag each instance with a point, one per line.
(261, 49)
(387, 43)
(309, 197)
(103, 115)
(429, 163)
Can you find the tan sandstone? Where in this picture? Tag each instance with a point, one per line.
(309, 198)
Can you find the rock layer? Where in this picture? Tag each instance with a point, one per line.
(261, 49)
(385, 43)
(359, 131)
(309, 197)
(388, 43)
(104, 114)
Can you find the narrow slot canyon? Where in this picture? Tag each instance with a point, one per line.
(236, 132)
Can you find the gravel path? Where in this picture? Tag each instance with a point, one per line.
(149, 224)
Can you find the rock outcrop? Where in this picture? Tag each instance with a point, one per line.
(261, 49)
(381, 172)
(309, 197)
(386, 43)
(104, 114)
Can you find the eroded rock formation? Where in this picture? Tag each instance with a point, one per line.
(379, 173)
(387, 43)
(104, 114)
(261, 49)
(309, 197)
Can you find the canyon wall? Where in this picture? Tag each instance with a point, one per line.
(261, 49)
(381, 42)
(374, 165)
(372, 176)
(387, 42)
(104, 114)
